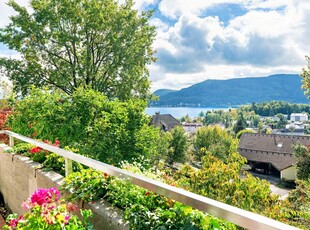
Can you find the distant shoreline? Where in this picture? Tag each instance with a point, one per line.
(179, 112)
(203, 107)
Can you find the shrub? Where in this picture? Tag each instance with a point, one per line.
(110, 131)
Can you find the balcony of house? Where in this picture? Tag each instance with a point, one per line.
(20, 177)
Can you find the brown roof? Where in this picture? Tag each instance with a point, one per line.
(271, 148)
(165, 121)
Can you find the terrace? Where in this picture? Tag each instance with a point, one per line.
(232, 214)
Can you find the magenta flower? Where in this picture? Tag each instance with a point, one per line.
(13, 223)
(67, 218)
(43, 196)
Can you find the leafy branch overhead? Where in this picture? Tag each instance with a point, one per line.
(305, 75)
(67, 44)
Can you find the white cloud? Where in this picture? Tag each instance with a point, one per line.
(266, 4)
(267, 37)
(272, 37)
(141, 4)
(265, 24)
(7, 11)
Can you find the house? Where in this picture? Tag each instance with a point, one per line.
(299, 117)
(296, 128)
(191, 127)
(165, 122)
(271, 153)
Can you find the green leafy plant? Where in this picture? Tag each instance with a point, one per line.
(57, 163)
(22, 148)
(109, 131)
(142, 208)
(86, 185)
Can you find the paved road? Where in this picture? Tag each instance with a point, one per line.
(274, 181)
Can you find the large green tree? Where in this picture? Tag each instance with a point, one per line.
(306, 77)
(219, 143)
(240, 124)
(302, 155)
(178, 144)
(66, 44)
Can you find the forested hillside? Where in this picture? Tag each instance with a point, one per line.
(232, 92)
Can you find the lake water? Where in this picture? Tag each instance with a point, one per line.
(179, 112)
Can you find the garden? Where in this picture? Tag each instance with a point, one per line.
(218, 176)
(82, 84)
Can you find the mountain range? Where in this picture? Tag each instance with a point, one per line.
(234, 92)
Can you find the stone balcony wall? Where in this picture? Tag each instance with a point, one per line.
(20, 177)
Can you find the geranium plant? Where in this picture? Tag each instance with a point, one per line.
(45, 210)
(38, 154)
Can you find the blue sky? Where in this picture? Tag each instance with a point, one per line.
(220, 39)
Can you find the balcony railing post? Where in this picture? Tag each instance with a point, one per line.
(68, 166)
(11, 141)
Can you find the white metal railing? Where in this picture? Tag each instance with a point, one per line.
(230, 213)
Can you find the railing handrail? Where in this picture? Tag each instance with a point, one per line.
(230, 213)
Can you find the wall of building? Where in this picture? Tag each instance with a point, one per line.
(299, 117)
(20, 177)
(289, 174)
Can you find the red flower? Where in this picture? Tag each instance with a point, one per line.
(147, 193)
(106, 175)
(47, 142)
(35, 150)
(57, 143)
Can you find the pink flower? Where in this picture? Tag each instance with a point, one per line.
(43, 196)
(13, 223)
(27, 204)
(67, 218)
